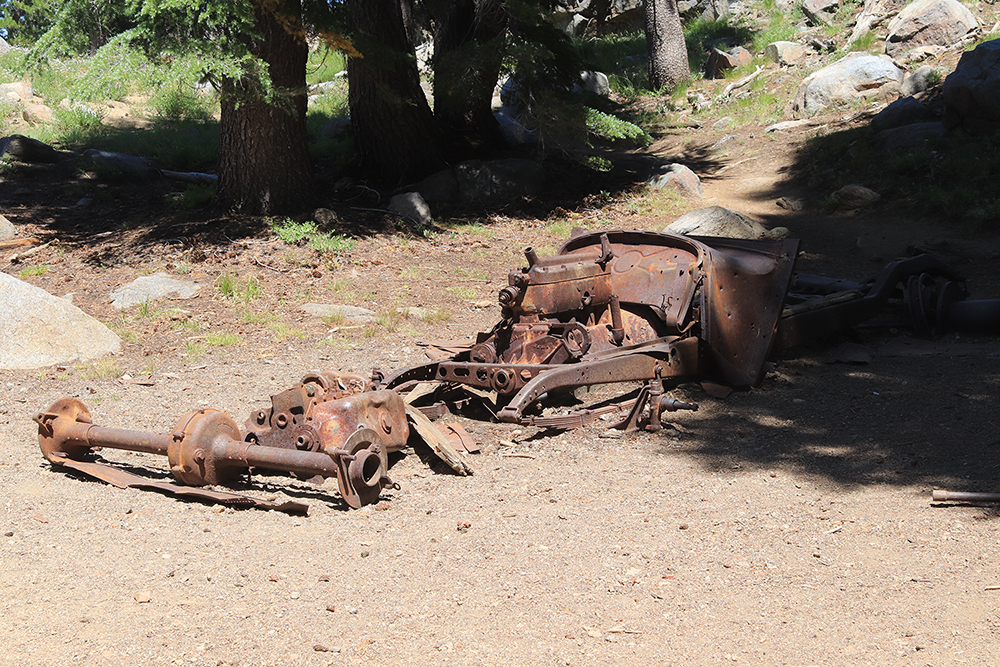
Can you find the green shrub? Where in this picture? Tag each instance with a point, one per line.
(612, 128)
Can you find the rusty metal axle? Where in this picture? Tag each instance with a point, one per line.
(335, 435)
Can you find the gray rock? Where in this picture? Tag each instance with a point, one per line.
(27, 149)
(325, 217)
(150, 288)
(820, 12)
(4, 46)
(593, 82)
(908, 137)
(724, 223)
(929, 23)
(7, 229)
(499, 180)
(920, 80)
(39, 329)
(336, 128)
(126, 165)
(785, 53)
(325, 87)
(855, 196)
(512, 95)
(852, 76)
(347, 314)
(904, 111)
(514, 133)
(442, 186)
(972, 92)
(719, 62)
(680, 178)
(710, 10)
(412, 206)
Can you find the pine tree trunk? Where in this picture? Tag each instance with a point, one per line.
(668, 61)
(264, 164)
(397, 137)
(468, 53)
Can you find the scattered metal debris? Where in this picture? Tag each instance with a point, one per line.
(609, 307)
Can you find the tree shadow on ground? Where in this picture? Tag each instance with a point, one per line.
(928, 421)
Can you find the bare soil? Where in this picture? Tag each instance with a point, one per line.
(791, 524)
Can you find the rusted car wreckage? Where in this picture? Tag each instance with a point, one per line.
(608, 307)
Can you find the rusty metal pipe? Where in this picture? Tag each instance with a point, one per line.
(965, 496)
(532, 256)
(132, 441)
(275, 458)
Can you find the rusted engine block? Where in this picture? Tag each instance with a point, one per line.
(624, 306)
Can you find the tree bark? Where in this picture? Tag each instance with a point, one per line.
(397, 137)
(668, 61)
(264, 164)
(468, 54)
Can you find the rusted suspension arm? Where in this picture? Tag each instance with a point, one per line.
(676, 359)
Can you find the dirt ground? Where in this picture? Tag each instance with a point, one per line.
(788, 525)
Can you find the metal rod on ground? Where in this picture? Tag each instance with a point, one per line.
(965, 496)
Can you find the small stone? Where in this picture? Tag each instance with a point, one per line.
(352, 610)
(683, 526)
(331, 608)
(365, 554)
(142, 597)
(319, 648)
(295, 595)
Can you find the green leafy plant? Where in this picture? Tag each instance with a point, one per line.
(292, 232)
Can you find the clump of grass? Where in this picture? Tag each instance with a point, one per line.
(390, 319)
(336, 244)
(242, 291)
(470, 274)
(223, 339)
(101, 369)
(178, 103)
(254, 317)
(194, 350)
(194, 196)
(436, 316)
(461, 292)
(146, 311)
(283, 332)
(30, 271)
(334, 319)
(123, 331)
(187, 325)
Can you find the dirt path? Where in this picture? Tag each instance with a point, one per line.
(788, 525)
